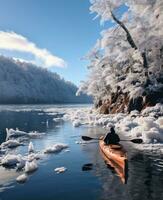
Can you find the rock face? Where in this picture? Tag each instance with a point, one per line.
(120, 102)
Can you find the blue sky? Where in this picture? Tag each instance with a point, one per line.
(54, 34)
(64, 27)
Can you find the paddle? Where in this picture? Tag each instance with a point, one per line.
(137, 141)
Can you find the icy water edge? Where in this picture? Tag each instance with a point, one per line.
(145, 171)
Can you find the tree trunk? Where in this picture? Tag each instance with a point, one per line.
(133, 45)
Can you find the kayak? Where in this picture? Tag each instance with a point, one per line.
(114, 152)
(116, 157)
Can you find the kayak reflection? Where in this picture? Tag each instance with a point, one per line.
(121, 171)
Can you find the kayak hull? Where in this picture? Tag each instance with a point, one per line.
(116, 157)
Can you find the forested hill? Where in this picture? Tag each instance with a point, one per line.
(22, 82)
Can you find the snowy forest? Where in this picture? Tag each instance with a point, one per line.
(22, 82)
(126, 63)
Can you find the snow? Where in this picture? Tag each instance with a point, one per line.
(143, 125)
(59, 170)
(30, 87)
(31, 166)
(22, 178)
(56, 148)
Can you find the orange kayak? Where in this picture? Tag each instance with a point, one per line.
(116, 157)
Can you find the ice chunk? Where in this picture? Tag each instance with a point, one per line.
(11, 143)
(21, 164)
(31, 166)
(30, 148)
(22, 178)
(10, 160)
(34, 156)
(58, 119)
(56, 148)
(59, 170)
(35, 134)
(76, 123)
(14, 133)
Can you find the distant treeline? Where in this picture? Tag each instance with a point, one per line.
(22, 82)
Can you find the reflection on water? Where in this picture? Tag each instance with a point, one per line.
(87, 175)
(121, 171)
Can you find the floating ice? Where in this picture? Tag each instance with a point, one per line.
(30, 148)
(10, 160)
(11, 133)
(35, 134)
(22, 178)
(34, 156)
(14, 133)
(58, 119)
(76, 123)
(59, 170)
(21, 164)
(31, 166)
(56, 148)
(67, 150)
(11, 144)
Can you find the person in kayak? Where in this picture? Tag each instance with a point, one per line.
(111, 137)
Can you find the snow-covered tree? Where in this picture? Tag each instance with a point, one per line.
(126, 64)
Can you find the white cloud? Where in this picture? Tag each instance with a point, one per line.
(16, 42)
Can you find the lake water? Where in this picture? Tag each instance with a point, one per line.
(97, 182)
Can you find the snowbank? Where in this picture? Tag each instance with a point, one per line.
(147, 125)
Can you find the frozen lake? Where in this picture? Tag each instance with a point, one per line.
(99, 182)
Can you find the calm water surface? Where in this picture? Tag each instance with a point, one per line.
(145, 171)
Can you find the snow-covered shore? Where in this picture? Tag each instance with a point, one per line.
(147, 125)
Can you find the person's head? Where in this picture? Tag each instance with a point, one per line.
(112, 130)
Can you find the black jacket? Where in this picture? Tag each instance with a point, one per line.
(111, 138)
